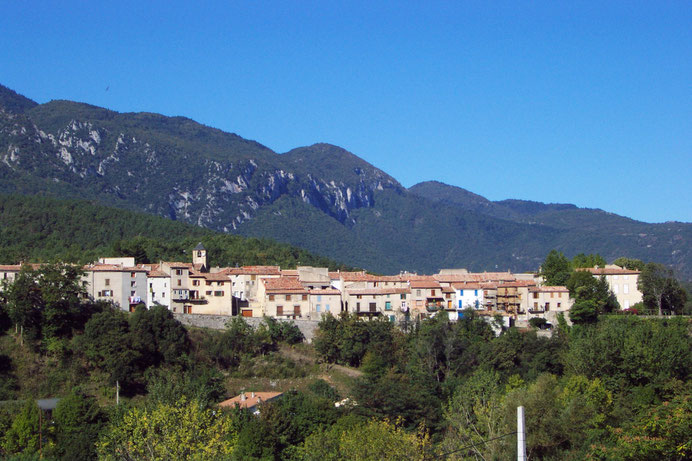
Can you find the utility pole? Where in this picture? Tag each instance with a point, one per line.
(521, 435)
(117, 392)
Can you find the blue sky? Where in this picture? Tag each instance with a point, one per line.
(579, 102)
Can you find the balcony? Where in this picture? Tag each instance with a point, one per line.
(434, 306)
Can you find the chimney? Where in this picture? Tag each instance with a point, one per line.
(259, 400)
(242, 397)
(253, 395)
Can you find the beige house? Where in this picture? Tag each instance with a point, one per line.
(547, 302)
(284, 297)
(622, 282)
(393, 303)
(427, 297)
(123, 285)
(323, 300)
(210, 293)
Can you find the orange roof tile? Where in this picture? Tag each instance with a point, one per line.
(283, 285)
(425, 284)
(250, 399)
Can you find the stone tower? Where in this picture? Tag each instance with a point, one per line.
(199, 256)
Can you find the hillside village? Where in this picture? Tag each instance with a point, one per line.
(310, 292)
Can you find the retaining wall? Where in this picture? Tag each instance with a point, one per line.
(218, 322)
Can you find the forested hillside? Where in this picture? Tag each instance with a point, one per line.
(42, 229)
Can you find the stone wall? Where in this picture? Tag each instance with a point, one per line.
(218, 322)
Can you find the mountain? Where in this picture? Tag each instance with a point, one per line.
(319, 197)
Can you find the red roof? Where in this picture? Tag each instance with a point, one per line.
(283, 285)
(325, 291)
(548, 289)
(249, 400)
(425, 284)
(377, 291)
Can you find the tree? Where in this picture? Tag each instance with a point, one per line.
(183, 430)
(661, 289)
(556, 268)
(106, 346)
(474, 417)
(590, 260)
(592, 297)
(158, 335)
(78, 421)
(372, 441)
(629, 263)
(23, 434)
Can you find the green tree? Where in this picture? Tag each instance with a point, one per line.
(158, 336)
(474, 416)
(183, 430)
(556, 268)
(661, 289)
(590, 260)
(372, 441)
(106, 346)
(23, 434)
(78, 421)
(629, 263)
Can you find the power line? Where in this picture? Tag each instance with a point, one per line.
(444, 455)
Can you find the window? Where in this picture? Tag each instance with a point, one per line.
(319, 298)
(106, 293)
(461, 292)
(180, 283)
(417, 292)
(558, 305)
(207, 283)
(208, 293)
(288, 297)
(133, 274)
(318, 308)
(535, 295)
(552, 294)
(178, 272)
(388, 306)
(359, 297)
(163, 295)
(403, 296)
(271, 297)
(357, 307)
(219, 284)
(218, 293)
(625, 288)
(535, 305)
(132, 293)
(475, 292)
(432, 292)
(195, 283)
(108, 282)
(305, 297)
(373, 307)
(279, 310)
(133, 284)
(326, 307)
(547, 306)
(392, 318)
(296, 310)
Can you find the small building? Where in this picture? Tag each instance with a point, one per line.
(251, 401)
(622, 282)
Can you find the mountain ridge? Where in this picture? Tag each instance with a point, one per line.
(320, 196)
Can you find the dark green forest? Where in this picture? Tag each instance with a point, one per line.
(43, 229)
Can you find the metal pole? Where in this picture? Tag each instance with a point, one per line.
(117, 392)
(521, 435)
